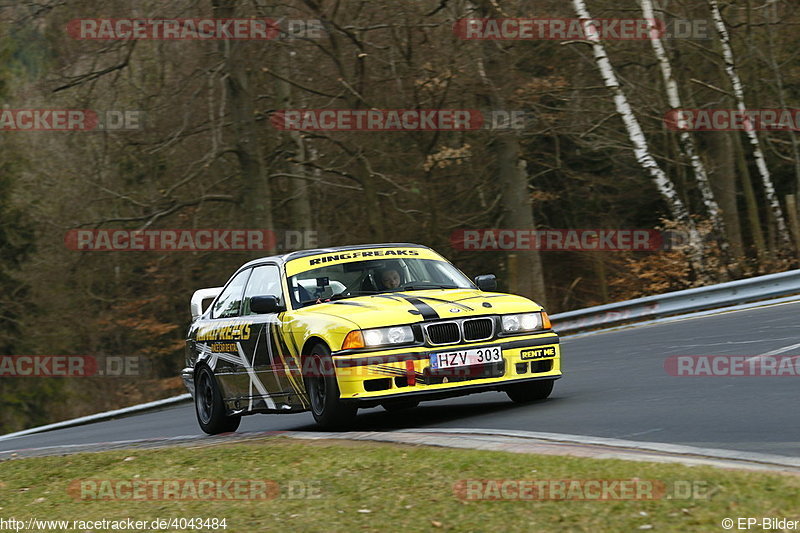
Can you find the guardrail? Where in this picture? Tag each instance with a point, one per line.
(99, 417)
(679, 302)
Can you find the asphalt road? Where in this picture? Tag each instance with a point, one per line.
(615, 386)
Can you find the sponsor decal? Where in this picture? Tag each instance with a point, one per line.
(224, 330)
(537, 353)
(344, 256)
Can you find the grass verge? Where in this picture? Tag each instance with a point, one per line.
(357, 486)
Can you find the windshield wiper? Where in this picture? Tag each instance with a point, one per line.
(422, 286)
(350, 294)
(340, 296)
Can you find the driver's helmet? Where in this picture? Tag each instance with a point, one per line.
(390, 276)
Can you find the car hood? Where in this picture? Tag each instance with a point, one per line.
(406, 307)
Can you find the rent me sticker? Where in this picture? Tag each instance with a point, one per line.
(538, 353)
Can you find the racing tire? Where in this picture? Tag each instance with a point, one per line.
(530, 392)
(400, 405)
(209, 407)
(328, 409)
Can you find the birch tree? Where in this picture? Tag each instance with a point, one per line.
(640, 148)
(687, 144)
(752, 136)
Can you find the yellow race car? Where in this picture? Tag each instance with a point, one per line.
(337, 329)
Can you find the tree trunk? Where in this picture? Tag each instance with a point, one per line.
(518, 215)
(256, 195)
(354, 77)
(300, 201)
(773, 18)
(687, 144)
(752, 136)
(751, 203)
(723, 183)
(794, 223)
(641, 149)
(526, 274)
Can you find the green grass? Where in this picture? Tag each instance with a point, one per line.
(403, 488)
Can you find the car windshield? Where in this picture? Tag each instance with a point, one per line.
(374, 276)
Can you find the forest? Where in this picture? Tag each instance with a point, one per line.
(521, 126)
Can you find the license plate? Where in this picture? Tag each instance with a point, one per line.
(475, 356)
(537, 353)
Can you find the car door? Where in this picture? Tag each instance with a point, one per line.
(272, 379)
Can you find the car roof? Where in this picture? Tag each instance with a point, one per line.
(283, 258)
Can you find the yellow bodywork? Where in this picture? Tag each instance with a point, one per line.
(407, 367)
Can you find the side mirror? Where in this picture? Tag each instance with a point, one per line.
(486, 282)
(264, 305)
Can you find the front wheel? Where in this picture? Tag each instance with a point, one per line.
(327, 407)
(531, 391)
(208, 404)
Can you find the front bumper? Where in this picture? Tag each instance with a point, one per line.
(405, 373)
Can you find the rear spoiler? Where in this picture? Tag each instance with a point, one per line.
(199, 297)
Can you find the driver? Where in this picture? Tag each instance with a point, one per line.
(389, 277)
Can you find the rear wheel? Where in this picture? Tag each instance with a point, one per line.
(208, 404)
(327, 407)
(530, 392)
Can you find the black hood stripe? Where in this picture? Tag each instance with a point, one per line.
(340, 302)
(480, 296)
(451, 302)
(427, 312)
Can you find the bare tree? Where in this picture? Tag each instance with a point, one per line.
(738, 91)
(256, 194)
(687, 144)
(641, 150)
(525, 267)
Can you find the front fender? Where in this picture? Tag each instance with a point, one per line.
(304, 327)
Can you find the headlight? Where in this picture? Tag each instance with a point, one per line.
(384, 336)
(521, 322)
